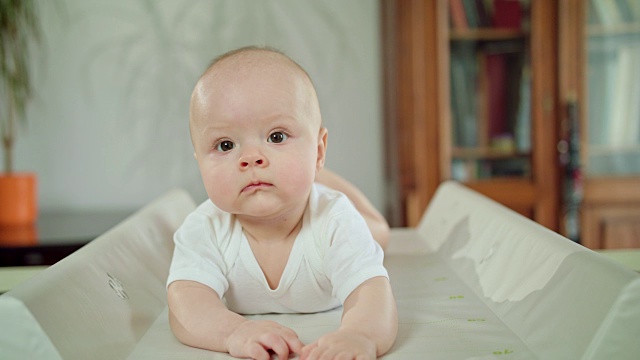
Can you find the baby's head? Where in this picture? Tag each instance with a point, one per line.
(257, 133)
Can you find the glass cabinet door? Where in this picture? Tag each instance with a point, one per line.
(490, 90)
(613, 89)
(609, 88)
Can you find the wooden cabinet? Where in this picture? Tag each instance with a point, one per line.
(543, 64)
(426, 60)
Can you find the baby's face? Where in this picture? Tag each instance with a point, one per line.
(257, 136)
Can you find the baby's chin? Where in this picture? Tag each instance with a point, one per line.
(269, 210)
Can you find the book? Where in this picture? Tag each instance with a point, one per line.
(611, 64)
(496, 70)
(522, 127)
(488, 5)
(634, 5)
(592, 17)
(472, 13)
(460, 170)
(599, 95)
(457, 14)
(457, 112)
(621, 99)
(483, 15)
(606, 11)
(624, 117)
(507, 14)
(612, 12)
(632, 111)
(515, 67)
(625, 10)
(463, 96)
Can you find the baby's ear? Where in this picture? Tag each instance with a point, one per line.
(322, 148)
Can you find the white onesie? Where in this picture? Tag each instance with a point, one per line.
(332, 255)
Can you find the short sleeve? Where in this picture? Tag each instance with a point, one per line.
(353, 255)
(197, 255)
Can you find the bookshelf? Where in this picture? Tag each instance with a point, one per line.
(472, 96)
(572, 163)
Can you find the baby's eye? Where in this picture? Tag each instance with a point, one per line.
(225, 145)
(277, 137)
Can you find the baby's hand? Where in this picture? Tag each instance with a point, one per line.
(254, 339)
(341, 344)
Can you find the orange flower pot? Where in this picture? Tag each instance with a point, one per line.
(26, 235)
(18, 199)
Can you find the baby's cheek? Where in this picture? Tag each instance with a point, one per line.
(216, 187)
(298, 176)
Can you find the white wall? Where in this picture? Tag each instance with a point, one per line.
(108, 128)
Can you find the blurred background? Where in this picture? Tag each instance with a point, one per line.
(531, 103)
(107, 128)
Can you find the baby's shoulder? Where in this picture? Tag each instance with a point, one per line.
(208, 222)
(330, 214)
(206, 212)
(325, 202)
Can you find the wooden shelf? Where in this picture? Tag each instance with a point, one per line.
(603, 150)
(486, 153)
(613, 30)
(520, 191)
(486, 34)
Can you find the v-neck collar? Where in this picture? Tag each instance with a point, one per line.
(290, 270)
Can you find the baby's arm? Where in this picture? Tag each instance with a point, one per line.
(377, 223)
(198, 318)
(368, 329)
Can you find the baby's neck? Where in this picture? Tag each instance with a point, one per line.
(278, 229)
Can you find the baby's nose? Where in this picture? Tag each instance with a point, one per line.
(252, 160)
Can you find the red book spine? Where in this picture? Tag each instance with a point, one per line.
(497, 76)
(507, 14)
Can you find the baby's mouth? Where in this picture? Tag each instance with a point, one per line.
(255, 186)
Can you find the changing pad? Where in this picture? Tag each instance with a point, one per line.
(473, 281)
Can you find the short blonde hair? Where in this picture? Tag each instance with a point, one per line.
(254, 48)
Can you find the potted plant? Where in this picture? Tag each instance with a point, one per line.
(19, 31)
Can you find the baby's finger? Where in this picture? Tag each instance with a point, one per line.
(293, 342)
(277, 344)
(306, 351)
(257, 352)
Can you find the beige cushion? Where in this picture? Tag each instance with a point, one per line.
(474, 280)
(98, 302)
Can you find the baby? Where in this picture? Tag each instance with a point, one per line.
(269, 239)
